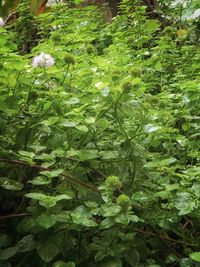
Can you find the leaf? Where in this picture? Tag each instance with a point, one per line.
(8, 253)
(160, 163)
(48, 249)
(107, 223)
(27, 243)
(111, 263)
(64, 264)
(63, 197)
(68, 124)
(122, 219)
(10, 184)
(47, 201)
(81, 216)
(195, 256)
(40, 180)
(184, 203)
(26, 154)
(82, 220)
(152, 26)
(82, 128)
(88, 154)
(51, 174)
(3, 238)
(110, 210)
(46, 220)
(133, 257)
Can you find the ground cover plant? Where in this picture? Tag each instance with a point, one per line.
(99, 137)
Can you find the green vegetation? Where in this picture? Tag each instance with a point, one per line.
(99, 138)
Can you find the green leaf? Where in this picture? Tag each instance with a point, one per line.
(107, 223)
(160, 163)
(47, 201)
(64, 264)
(122, 219)
(152, 26)
(195, 256)
(46, 220)
(111, 263)
(51, 174)
(40, 180)
(184, 203)
(8, 253)
(49, 249)
(68, 124)
(82, 128)
(110, 210)
(27, 243)
(3, 238)
(88, 154)
(10, 184)
(63, 197)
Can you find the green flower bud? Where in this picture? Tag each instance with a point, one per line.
(135, 72)
(168, 30)
(115, 74)
(165, 88)
(126, 86)
(69, 59)
(113, 182)
(124, 201)
(90, 49)
(56, 37)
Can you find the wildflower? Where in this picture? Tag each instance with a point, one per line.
(126, 86)
(1, 22)
(56, 37)
(90, 49)
(181, 34)
(43, 60)
(195, 15)
(105, 91)
(69, 59)
(94, 69)
(113, 182)
(98, 85)
(150, 128)
(135, 71)
(124, 201)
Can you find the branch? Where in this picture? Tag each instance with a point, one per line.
(11, 16)
(141, 231)
(14, 216)
(40, 168)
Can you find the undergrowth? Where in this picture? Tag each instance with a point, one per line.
(100, 151)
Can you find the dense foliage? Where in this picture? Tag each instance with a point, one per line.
(99, 139)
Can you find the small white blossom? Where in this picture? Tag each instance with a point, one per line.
(105, 91)
(179, 2)
(150, 128)
(43, 60)
(195, 15)
(56, 27)
(94, 69)
(1, 22)
(37, 82)
(99, 85)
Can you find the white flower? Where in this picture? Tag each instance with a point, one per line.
(43, 60)
(179, 2)
(1, 22)
(98, 85)
(195, 15)
(150, 128)
(105, 91)
(94, 69)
